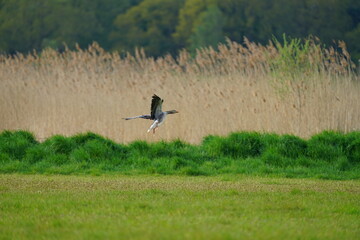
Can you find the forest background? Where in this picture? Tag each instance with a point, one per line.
(164, 26)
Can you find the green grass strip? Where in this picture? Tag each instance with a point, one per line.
(327, 155)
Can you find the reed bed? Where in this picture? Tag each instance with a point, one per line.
(295, 88)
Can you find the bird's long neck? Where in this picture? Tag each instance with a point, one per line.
(171, 112)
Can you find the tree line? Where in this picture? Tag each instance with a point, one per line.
(166, 26)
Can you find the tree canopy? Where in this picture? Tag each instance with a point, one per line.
(166, 26)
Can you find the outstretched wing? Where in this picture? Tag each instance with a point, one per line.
(141, 116)
(156, 105)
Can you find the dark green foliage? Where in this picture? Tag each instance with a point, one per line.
(237, 145)
(213, 145)
(36, 154)
(57, 159)
(175, 149)
(59, 144)
(95, 149)
(208, 30)
(243, 145)
(308, 162)
(163, 26)
(342, 164)
(28, 25)
(327, 155)
(270, 139)
(81, 139)
(140, 147)
(259, 20)
(326, 146)
(149, 25)
(15, 144)
(4, 158)
(272, 156)
(353, 151)
(352, 146)
(291, 146)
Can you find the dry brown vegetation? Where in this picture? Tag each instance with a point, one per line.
(237, 88)
(77, 184)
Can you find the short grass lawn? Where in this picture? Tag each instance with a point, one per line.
(173, 207)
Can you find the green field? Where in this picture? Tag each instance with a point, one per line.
(246, 185)
(177, 207)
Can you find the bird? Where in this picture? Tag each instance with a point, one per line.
(156, 113)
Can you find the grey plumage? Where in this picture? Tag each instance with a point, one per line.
(156, 113)
(156, 106)
(141, 116)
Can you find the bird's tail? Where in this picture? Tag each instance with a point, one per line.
(141, 116)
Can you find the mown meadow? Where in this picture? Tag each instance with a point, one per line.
(328, 155)
(177, 207)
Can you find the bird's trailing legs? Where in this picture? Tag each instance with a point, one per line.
(154, 130)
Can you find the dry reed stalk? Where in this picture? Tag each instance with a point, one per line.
(215, 93)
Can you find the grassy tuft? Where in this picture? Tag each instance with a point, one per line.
(330, 155)
(15, 143)
(292, 146)
(327, 146)
(352, 147)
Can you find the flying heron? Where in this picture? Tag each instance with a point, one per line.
(156, 113)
